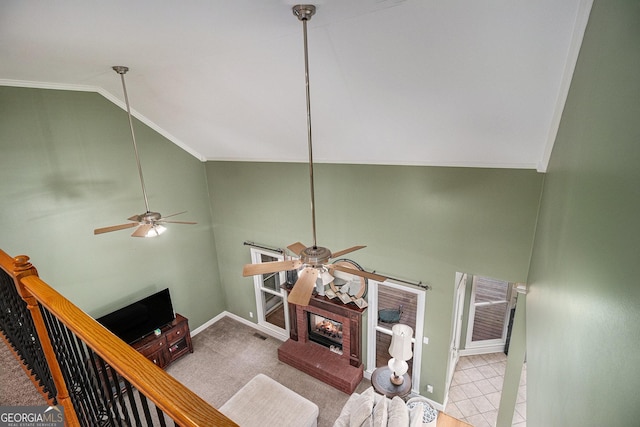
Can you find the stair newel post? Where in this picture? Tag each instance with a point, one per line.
(23, 268)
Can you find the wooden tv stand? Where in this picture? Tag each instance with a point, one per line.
(173, 342)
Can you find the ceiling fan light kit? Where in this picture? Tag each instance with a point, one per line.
(313, 260)
(149, 223)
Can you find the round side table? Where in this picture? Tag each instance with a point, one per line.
(381, 382)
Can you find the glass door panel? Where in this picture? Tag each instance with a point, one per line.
(270, 298)
(396, 306)
(390, 304)
(488, 312)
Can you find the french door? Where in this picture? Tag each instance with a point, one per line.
(458, 314)
(488, 315)
(391, 303)
(271, 301)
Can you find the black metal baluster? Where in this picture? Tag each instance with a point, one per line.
(19, 330)
(161, 417)
(94, 365)
(145, 408)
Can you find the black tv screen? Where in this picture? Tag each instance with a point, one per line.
(140, 318)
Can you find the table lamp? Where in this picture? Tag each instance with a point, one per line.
(400, 351)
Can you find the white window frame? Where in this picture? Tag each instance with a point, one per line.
(373, 328)
(256, 258)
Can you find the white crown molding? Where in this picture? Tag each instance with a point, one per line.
(579, 27)
(110, 97)
(479, 165)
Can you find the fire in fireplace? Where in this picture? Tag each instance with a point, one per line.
(325, 331)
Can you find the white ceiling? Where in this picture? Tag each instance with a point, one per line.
(410, 82)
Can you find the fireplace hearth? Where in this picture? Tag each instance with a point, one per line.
(325, 342)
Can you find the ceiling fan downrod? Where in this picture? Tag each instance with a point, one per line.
(304, 12)
(122, 71)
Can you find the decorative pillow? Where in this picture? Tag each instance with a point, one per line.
(377, 397)
(345, 413)
(415, 415)
(398, 413)
(380, 412)
(362, 409)
(370, 392)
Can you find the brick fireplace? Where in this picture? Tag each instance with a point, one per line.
(325, 342)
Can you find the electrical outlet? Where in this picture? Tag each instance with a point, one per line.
(251, 314)
(429, 388)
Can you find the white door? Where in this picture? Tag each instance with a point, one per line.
(456, 329)
(488, 315)
(409, 303)
(271, 301)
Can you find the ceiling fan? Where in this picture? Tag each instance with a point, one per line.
(314, 259)
(149, 223)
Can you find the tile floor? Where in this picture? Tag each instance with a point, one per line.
(474, 395)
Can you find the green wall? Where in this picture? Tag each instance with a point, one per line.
(67, 166)
(583, 308)
(419, 223)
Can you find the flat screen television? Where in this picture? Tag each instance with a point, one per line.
(139, 319)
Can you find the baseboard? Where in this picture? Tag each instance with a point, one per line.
(201, 328)
(482, 350)
(242, 320)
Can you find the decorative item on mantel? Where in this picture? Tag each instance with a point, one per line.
(346, 287)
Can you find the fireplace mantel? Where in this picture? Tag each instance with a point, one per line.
(343, 371)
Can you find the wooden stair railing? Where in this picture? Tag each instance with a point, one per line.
(18, 332)
(99, 379)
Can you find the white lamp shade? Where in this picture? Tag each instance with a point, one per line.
(400, 347)
(156, 230)
(326, 277)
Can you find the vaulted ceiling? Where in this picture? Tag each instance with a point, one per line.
(409, 82)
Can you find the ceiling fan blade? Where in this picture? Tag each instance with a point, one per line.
(270, 267)
(297, 248)
(114, 228)
(346, 251)
(136, 218)
(176, 222)
(178, 213)
(357, 272)
(142, 230)
(302, 290)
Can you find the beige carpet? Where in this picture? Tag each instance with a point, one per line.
(228, 354)
(16, 389)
